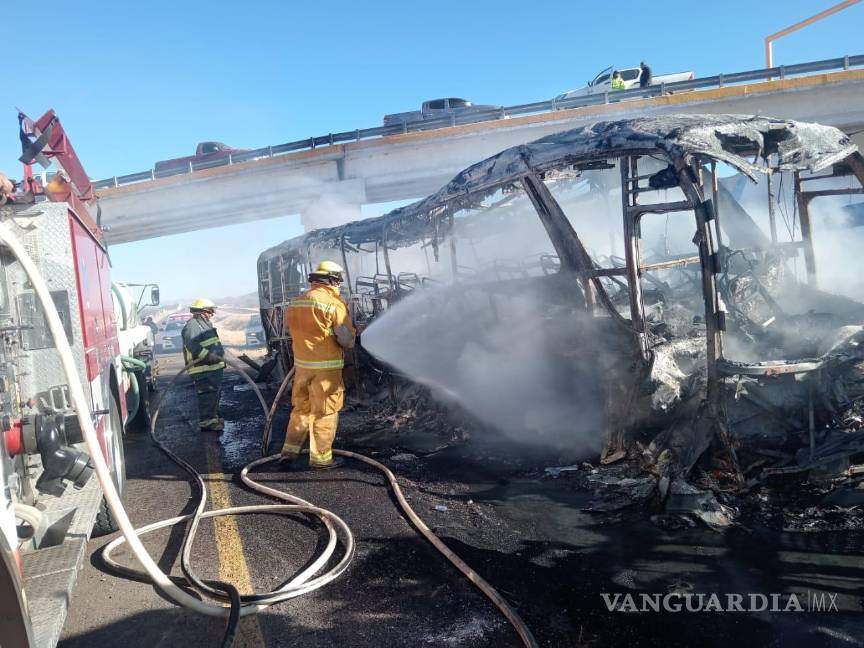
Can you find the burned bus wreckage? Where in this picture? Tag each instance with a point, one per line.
(612, 288)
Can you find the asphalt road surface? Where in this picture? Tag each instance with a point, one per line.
(527, 534)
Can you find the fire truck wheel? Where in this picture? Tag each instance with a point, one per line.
(105, 522)
(140, 423)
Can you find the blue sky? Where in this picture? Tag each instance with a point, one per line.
(140, 82)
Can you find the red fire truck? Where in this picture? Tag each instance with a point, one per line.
(50, 502)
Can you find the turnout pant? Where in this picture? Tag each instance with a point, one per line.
(208, 387)
(316, 398)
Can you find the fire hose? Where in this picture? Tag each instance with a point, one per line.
(238, 605)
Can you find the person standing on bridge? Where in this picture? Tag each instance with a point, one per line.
(617, 81)
(644, 75)
(320, 330)
(201, 342)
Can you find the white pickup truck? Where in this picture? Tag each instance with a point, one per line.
(603, 82)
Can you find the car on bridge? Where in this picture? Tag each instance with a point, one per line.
(207, 154)
(602, 83)
(437, 108)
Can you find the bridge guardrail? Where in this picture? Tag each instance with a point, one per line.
(717, 81)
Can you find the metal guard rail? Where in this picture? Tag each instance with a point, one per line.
(717, 81)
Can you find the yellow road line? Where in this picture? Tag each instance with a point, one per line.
(232, 561)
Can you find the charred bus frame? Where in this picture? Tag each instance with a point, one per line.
(688, 148)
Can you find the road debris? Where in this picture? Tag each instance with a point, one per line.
(702, 504)
(557, 471)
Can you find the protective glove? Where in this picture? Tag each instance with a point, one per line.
(212, 358)
(344, 337)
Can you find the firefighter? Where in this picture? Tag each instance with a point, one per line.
(201, 342)
(617, 81)
(320, 330)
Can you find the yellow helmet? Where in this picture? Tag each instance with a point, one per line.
(328, 267)
(327, 271)
(202, 303)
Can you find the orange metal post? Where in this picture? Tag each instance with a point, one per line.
(769, 54)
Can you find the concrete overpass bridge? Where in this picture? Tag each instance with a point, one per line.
(327, 184)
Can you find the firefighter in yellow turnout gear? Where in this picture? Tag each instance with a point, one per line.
(320, 330)
(201, 342)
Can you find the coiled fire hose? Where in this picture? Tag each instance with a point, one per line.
(239, 605)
